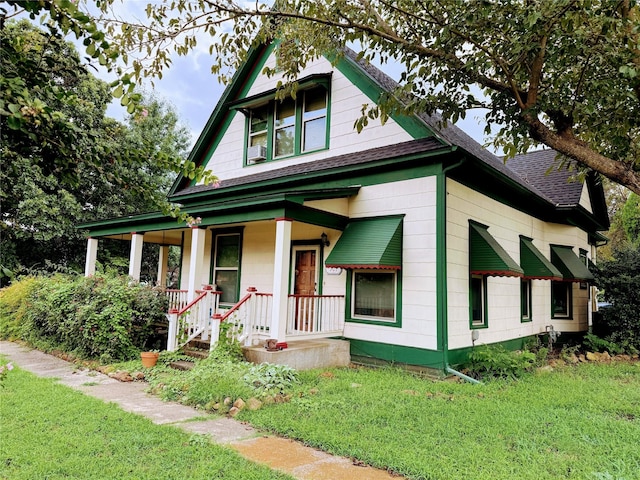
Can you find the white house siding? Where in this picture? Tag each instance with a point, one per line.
(346, 102)
(416, 199)
(585, 199)
(506, 224)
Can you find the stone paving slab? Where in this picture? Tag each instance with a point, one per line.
(282, 454)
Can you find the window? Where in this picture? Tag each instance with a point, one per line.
(561, 299)
(374, 296)
(525, 300)
(226, 266)
(289, 127)
(478, 301)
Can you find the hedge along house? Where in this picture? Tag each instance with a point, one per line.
(408, 239)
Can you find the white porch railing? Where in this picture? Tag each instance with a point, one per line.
(315, 315)
(188, 321)
(249, 321)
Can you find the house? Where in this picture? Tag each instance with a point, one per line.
(408, 240)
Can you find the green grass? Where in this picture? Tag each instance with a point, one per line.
(580, 423)
(51, 431)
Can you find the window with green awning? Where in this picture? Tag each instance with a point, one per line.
(369, 243)
(486, 255)
(569, 265)
(534, 263)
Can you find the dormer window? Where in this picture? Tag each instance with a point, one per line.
(278, 129)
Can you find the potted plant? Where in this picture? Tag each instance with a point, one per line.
(150, 358)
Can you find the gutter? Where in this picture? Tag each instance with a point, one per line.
(442, 283)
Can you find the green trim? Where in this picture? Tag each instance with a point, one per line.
(534, 263)
(369, 243)
(526, 283)
(371, 173)
(221, 117)
(486, 255)
(459, 356)
(397, 323)
(396, 353)
(485, 298)
(260, 99)
(569, 264)
(373, 90)
(212, 270)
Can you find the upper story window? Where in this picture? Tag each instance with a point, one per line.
(285, 128)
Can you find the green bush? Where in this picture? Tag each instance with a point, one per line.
(495, 361)
(269, 379)
(14, 303)
(620, 281)
(101, 317)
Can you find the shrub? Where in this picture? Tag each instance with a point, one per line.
(494, 361)
(597, 344)
(14, 304)
(620, 281)
(102, 317)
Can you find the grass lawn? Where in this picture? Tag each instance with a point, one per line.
(579, 422)
(51, 431)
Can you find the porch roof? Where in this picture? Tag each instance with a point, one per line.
(486, 255)
(568, 263)
(240, 210)
(369, 243)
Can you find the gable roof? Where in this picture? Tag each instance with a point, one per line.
(526, 174)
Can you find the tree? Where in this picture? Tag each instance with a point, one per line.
(51, 176)
(564, 73)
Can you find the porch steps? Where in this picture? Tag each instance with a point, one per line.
(196, 349)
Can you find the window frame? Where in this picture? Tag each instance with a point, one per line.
(373, 320)
(569, 298)
(484, 322)
(526, 289)
(299, 124)
(217, 234)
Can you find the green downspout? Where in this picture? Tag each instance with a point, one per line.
(441, 266)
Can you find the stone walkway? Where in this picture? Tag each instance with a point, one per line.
(281, 454)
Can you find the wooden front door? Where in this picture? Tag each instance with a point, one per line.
(304, 284)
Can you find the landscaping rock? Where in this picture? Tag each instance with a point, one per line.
(314, 391)
(138, 376)
(234, 411)
(592, 356)
(121, 376)
(254, 404)
(239, 404)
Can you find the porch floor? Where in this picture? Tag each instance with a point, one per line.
(304, 354)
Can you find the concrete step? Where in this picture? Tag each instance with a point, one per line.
(195, 353)
(182, 365)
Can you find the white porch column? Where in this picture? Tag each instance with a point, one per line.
(282, 267)
(135, 258)
(163, 265)
(92, 255)
(196, 261)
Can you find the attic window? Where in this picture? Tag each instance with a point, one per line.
(285, 128)
(282, 129)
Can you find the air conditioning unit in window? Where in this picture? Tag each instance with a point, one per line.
(256, 154)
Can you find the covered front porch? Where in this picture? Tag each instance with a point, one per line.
(259, 278)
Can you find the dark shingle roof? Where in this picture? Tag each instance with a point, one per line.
(412, 147)
(549, 174)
